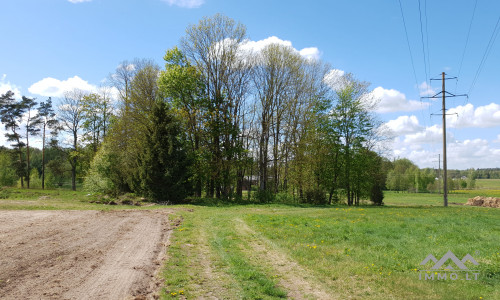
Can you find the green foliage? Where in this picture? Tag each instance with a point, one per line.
(7, 173)
(264, 196)
(164, 164)
(377, 195)
(35, 180)
(4, 193)
(315, 196)
(103, 175)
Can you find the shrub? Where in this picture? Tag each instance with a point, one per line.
(264, 196)
(315, 196)
(377, 195)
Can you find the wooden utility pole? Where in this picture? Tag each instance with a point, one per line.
(443, 95)
(445, 171)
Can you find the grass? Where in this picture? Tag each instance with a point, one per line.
(489, 184)
(237, 251)
(55, 199)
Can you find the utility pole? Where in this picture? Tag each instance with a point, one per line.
(445, 169)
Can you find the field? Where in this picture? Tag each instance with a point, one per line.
(253, 251)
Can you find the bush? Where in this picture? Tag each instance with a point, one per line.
(377, 195)
(4, 193)
(8, 176)
(315, 196)
(102, 175)
(35, 180)
(264, 196)
(284, 197)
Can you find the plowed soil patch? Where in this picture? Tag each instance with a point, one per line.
(81, 254)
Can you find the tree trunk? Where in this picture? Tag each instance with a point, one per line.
(43, 158)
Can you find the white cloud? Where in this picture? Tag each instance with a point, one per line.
(186, 3)
(6, 86)
(334, 78)
(79, 1)
(404, 125)
(51, 87)
(431, 135)
(481, 117)
(426, 90)
(310, 53)
(257, 46)
(391, 100)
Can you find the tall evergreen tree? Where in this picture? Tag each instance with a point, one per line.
(11, 113)
(47, 120)
(164, 166)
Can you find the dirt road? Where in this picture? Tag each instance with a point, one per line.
(81, 254)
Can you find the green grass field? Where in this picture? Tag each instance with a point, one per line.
(338, 252)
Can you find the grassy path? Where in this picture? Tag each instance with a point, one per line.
(297, 281)
(277, 252)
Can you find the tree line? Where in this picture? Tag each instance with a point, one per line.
(219, 120)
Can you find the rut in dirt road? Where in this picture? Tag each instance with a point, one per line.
(299, 282)
(81, 254)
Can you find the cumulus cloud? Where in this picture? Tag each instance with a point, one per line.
(426, 90)
(475, 153)
(310, 53)
(481, 117)
(186, 3)
(430, 135)
(257, 46)
(6, 86)
(404, 125)
(390, 100)
(51, 87)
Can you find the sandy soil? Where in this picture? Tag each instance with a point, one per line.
(82, 254)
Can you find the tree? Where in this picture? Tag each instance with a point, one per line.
(212, 46)
(96, 117)
(353, 126)
(71, 118)
(11, 114)
(182, 86)
(7, 174)
(32, 129)
(48, 120)
(127, 134)
(164, 164)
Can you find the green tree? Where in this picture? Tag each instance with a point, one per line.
(164, 164)
(7, 173)
(48, 120)
(181, 85)
(32, 129)
(71, 118)
(11, 114)
(212, 46)
(353, 127)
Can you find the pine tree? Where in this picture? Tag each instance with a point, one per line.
(164, 164)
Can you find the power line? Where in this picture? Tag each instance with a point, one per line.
(467, 39)
(427, 38)
(493, 37)
(422, 38)
(408, 42)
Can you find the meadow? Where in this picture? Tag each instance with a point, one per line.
(272, 251)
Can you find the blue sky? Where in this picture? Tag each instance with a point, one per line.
(52, 45)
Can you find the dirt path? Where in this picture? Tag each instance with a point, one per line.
(81, 254)
(298, 282)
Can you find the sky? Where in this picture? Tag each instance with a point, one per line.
(49, 46)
